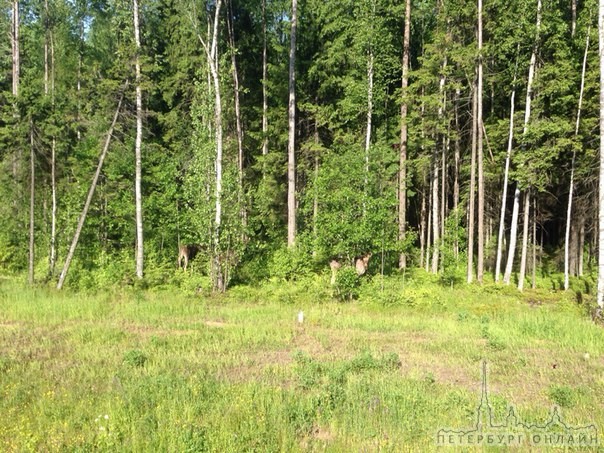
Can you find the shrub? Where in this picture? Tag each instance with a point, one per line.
(135, 358)
(290, 263)
(347, 284)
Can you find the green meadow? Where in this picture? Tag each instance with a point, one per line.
(176, 370)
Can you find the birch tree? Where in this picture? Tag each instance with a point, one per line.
(472, 195)
(527, 115)
(506, 174)
(92, 189)
(212, 56)
(572, 169)
(137, 145)
(479, 157)
(238, 118)
(32, 201)
(291, 142)
(402, 177)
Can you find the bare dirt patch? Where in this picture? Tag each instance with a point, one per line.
(215, 324)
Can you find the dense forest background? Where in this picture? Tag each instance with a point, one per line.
(398, 147)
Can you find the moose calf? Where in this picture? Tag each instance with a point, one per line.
(187, 252)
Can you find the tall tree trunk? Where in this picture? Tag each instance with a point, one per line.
(429, 229)
(506, 174)
(402, 176)
(79, 78)
(507, 276)
(438, 219)
(368, 131)
(572, 168)
(471, 202)
(527, 116)
(443, 186)
(456, 171)
(573, 252)
(525, 233)
(581, 244)
(534, 238)
(15, 48)
(573, 14)
(82, 219)
(32, 198)
(46, 46)
(264, 84)
(238, 122)
(479, 129)
(219, 280)
(315, 203)
(53, 163)
(435, 219)
(422, 227)
(137, 146)
(16, 71)
(600, 297)
(291, 143)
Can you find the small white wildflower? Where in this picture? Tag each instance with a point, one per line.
(106, 417)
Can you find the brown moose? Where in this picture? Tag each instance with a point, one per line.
(361, 263)
(187, 252)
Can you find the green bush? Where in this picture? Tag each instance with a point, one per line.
(135, 358)
(290, 263)
(347, 284)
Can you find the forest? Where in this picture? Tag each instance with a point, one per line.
(274, 136)
(301, 225)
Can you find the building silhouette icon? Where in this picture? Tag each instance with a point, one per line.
(512, 431)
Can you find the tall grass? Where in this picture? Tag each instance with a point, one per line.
(134, 370)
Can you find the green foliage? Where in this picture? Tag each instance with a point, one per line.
(452, 251)
(290, 263)
(562, 395)
(135, 358)
(347, 284)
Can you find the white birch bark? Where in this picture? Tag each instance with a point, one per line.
(238, 122)
(32, 198)
(527, 115)
(369, 120)
(264, 84)
(572, 169)
(435, 215)
(504, 195)
(16, 70)
(471, 202)
(525, 233)
(402, 176)
(137, 147)
(82, 219)
(479, 157)
(291, 143)
(15, 48)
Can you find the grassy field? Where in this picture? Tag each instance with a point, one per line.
(169, 371)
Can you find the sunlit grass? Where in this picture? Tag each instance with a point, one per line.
(169, 371)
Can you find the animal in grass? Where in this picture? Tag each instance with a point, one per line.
(361, 263)
(187, 252)
(334, 264)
